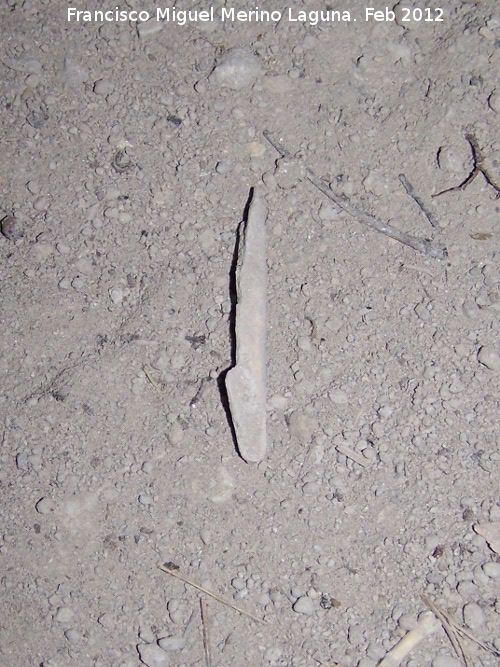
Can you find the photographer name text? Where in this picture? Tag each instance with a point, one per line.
(183, 17)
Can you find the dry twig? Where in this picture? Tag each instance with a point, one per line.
(425, 246)
(478, 167)
(417, 199)
(169, 570)
(455, 631)
(206, 633)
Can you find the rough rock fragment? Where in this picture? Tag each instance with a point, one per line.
(246, 381)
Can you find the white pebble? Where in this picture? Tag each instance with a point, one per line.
(149, 27)
(327, 212)
(176, 434)
(304, 605)
(375, 651)
(238, 583)
(492, 570)
(65, 615)
(40, 203)
(22, 461)
(236, 69)
(116, 295)
(311, 488)
(174, 643)
(338, 397)
(494, 101)
(145, 499)
(489, 358)
(73, 636)
(452, 160)
(304, 343)
(103, 87)
(375, 184)
(33, 187)
(473, 615)
(355, 635)
(152, 655)
(45, 506)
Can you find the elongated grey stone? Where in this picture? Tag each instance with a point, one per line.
(246, 381)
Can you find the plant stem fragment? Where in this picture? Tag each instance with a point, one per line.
(425, 246)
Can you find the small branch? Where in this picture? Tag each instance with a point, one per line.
(478, 167)
(425, 246)
(206, 633)
(455, 631)
(168, 568)
(449, 628)
(411, 191)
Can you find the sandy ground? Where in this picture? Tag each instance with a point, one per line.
(128, 156)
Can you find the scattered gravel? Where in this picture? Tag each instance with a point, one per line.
(130, 149)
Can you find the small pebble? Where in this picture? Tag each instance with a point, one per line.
(327, 212)
(103, 87)
(489, 357)
(152, 655)
(238, 583)
(492, 570)
(338, 397)
(22, 461)
(146, 634)
(145, 499)
(65, 615)
(12, 228)
(40, 203)
(116, 295)
(236, 69)
(452, 160)
(45, 506)
(175, 643)
(73, 636)
(311, 488)
(422, 313)
(149, 27)
(407, 622)
(375, 651)
(33, 187)
(304, 605)
(467, 589)
(355, 635)
(473, 615)
(494, 101)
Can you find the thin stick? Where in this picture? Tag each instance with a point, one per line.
(220, 599)
(478, 167)
(206, 634)
(425, 246)
(456, 629)
(411, 191)
(448, 628)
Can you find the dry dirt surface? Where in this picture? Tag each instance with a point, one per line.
(129, 152)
